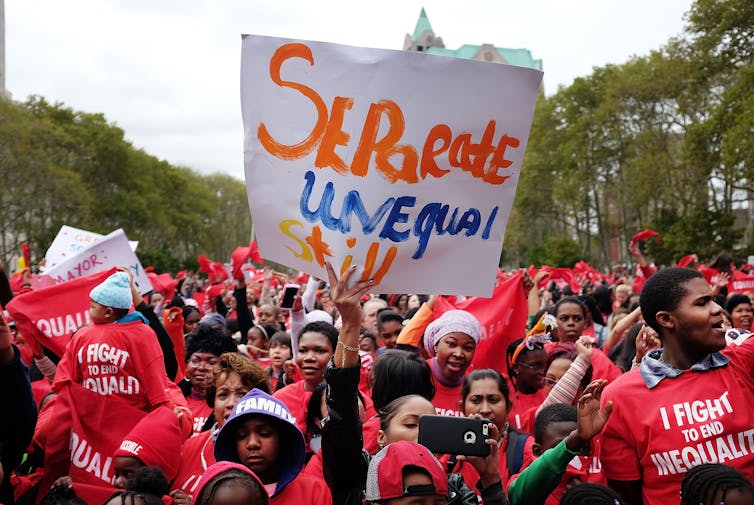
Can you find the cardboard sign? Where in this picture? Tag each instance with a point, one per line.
(70, 241)
(112, 250)
(403, 164)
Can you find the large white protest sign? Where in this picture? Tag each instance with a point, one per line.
(403, 164)
(112, 250)
(70, 241)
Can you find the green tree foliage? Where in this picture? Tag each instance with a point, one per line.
(664, 141)
(59, 166)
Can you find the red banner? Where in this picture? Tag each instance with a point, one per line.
(48, 317)
(85, 431)
(503, 317)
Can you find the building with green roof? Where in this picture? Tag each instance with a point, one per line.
(425, 40)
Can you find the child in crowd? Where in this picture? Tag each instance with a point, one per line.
(716, 484)
(280, 352)
(553, 425)
(152, 442)
(262, 435)
(389, 326)
(227, 483)
(118, 353)
(147, 486)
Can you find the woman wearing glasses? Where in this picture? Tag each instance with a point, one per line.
(525, 360)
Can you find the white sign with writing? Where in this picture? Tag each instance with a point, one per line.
(403, 164)
(112, 250)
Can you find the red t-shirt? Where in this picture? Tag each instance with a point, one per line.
(314, 467)
(121, 359)
(304, 489)
(524, 409)
(200, 411)
(296, 399)
(447, 400)
(197, 454)
(656, 435)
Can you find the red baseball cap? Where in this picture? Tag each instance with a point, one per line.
(385, 475)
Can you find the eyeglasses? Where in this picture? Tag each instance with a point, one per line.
(549, 381)
(536, 368)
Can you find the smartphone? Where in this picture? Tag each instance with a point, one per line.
(289, 295)
(454, 435)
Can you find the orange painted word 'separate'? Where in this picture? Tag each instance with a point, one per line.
(441, 150)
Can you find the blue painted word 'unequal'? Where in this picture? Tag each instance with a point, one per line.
(432, 218)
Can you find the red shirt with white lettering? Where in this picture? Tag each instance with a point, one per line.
(200, 411)
(447, 400)
(197, 454)
(655, 435)
(120, 359)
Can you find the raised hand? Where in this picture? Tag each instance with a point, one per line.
(591, 418)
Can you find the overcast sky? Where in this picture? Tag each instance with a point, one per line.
(167, 71)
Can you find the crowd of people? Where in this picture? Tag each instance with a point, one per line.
(217, 395)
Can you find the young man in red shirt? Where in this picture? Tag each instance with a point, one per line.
(688, 403)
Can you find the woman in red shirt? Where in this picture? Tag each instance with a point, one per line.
(451, 341)
(316, 345)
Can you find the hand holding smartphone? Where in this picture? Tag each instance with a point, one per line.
(289, 295)
(455, 435)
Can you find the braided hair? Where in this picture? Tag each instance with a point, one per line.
(710, 482)
(590, 494)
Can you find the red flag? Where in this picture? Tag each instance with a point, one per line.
(85, 431)
(687, 260)
(563, 276)
(241, 254)
(48, 317)
(163, 283)
(503, 317)
(214, 269)
(584, 269)
(644, 235)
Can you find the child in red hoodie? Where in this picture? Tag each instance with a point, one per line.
(262, 435)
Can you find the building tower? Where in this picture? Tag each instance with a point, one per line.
(425, 40)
